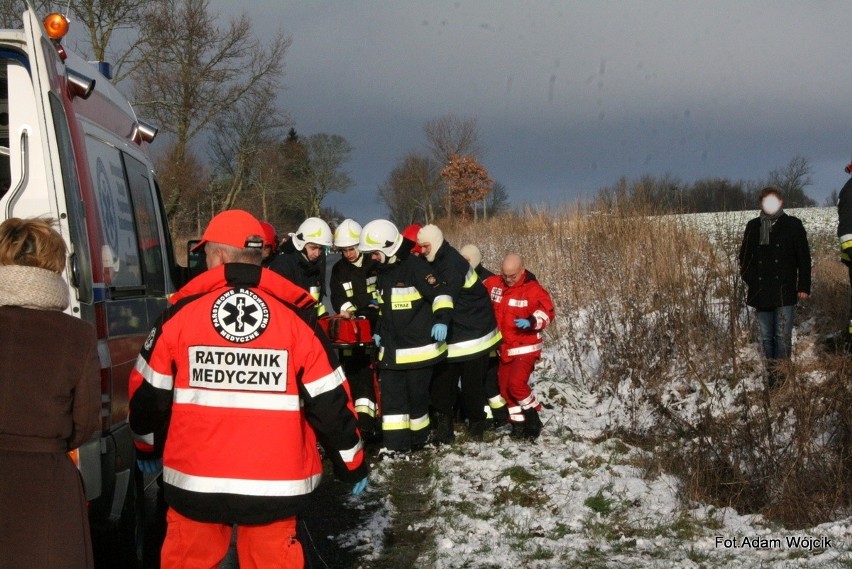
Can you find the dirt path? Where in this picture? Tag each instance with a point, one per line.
(405, 542)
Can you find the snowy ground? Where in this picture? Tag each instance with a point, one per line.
(577, 498)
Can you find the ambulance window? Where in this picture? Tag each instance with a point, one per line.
(5, 166)
(74, 202)
(120, 249)
(147, 228)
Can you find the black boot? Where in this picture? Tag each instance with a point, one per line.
(476, 429)
(501, 416)
(517, 430)
(442, 429)
(532, 424)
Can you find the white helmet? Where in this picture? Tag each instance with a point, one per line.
(347, 234)
(312, 230)
(380, 235)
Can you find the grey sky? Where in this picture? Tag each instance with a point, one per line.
(570, 96)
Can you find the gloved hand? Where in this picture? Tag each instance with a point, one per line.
(377, 339)
(150, 465)
(439, 332)
(359, 486)
(522, 323)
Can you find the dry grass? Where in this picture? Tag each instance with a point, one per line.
(661, 307)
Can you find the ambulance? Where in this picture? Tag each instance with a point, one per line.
(72, 148)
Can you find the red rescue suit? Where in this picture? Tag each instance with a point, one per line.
(521, 348)
(234, 388)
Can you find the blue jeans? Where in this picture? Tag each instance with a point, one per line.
(776, 331)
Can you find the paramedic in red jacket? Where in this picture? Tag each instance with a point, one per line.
(234, 389)
(523, 309)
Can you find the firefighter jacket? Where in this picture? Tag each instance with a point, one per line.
(352, 286)
(526, 299)
(411, 301)
(235, 389)
(844, 226)
(776, 272)
(295, 267)
(473, 330)
(482, 272)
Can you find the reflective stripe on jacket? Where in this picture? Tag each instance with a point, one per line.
(411, 301)
(473, 328)
(526, 299)
(239, 388)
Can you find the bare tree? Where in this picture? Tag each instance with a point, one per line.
(792, 180)
(11, 10)
(450, 135)
(497, 202)
(240, 135)
(831, 199)
(192, 69)
(413, 189)
(103, 19)
(325, 154)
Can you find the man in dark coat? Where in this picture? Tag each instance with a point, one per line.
(775, 263)
(472, 335)
(844, 233)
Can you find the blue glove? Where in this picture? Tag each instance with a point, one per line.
(359, 486)
(439, 332)
(522, 323)
(150, 466)
(377, 339)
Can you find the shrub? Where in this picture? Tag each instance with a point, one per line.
(651, 313)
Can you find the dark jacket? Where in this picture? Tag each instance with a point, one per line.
(482, 272)
(775, 273)
(411, 301)
(49, 404)
(844, 225)
(353, 286)
(473, 330)
(295, 267)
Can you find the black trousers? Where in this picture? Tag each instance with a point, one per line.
(850, 303)
(405, 407)
(357, 365)
(445, 383)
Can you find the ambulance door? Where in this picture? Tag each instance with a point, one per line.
(36, 110)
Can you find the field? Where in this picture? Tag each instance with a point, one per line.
(662, 445)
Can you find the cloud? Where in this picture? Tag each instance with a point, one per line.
(572, 95)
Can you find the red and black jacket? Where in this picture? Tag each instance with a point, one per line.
(235, 389)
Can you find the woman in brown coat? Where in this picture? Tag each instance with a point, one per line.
(49, 403)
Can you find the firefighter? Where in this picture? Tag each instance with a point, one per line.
(496, 409)
(302, 259)
(270, 243)
(352, 289)
(413, 318)
(233, 389)
(473, 255)
(523, 310)
(472, 334)
(844, 233)
(410, 233)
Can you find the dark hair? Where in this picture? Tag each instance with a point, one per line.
(32, 243)
(770, 190)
